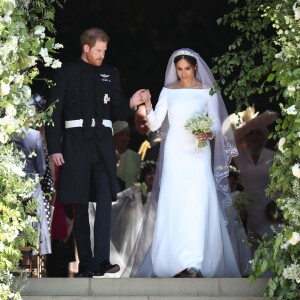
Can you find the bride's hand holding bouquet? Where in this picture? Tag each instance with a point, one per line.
(200, 126)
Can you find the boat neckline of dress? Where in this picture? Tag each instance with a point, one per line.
(187, 88)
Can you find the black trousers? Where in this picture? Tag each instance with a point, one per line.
(102, 225)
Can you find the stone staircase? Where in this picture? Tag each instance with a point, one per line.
(142, 289)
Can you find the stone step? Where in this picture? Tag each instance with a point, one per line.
(142, 288)
(135, 298)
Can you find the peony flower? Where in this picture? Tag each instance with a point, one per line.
(280, 144)
(10, 111)
(291, 110)
(296, 170)
(295, 239)
(5, 88)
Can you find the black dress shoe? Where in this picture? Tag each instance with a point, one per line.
(107, 267)
(84, 275)
(193, 273)
(189, 273)
(97, 274)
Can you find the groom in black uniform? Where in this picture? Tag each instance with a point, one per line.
(87, 95)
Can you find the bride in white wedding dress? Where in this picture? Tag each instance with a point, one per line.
(184, 232)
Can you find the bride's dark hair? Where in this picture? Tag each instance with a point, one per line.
(188, 58)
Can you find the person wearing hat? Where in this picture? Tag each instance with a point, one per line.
(87, 95)
(130, 161)
(254, 162)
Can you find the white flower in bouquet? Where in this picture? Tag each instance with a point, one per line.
(199, 124)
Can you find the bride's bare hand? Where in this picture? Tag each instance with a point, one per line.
(203, 136)
(146, 96)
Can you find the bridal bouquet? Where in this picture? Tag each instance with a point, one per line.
(199, 124)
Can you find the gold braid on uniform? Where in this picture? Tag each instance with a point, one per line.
(143, 149)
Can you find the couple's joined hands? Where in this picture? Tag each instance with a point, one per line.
(142, 96)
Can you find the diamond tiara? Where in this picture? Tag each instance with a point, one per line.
(184, 52)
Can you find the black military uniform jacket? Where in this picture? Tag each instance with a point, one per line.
(84, 91)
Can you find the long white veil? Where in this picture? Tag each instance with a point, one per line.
(223, 149)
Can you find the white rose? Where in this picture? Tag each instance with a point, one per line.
(3, 137)
(26, 91)
(296, 11)
(10, 111)
(280, 144)
(296, 170)
(295, 239)
(291, 110)
(5, 88)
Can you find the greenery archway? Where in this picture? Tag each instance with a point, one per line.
(264, 59)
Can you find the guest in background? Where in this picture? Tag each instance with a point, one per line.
(142, 139)
(129, 160)
(254, 162)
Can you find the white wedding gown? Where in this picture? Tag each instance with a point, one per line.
(190, 230)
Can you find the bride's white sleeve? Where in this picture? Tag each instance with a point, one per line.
(157, 116)
(213, 113)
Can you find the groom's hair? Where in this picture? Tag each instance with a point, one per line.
(92, 35)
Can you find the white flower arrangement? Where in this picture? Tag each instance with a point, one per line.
(10, 111)
(281, 144)
(199, 124)
(23, 35)
(291, 110)
(295, 239)
(296, 10)
(296, 170)
(292, 272)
